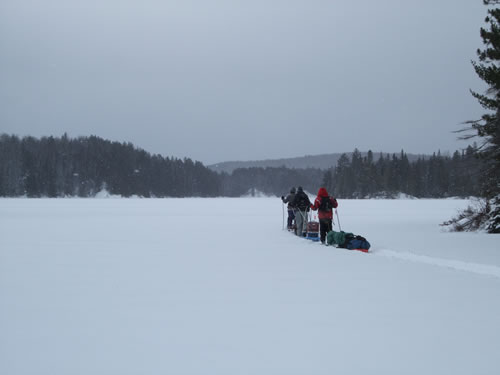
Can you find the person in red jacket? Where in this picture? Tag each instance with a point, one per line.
(324, 204)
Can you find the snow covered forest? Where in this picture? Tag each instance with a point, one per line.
(57, 167)
(435, 177)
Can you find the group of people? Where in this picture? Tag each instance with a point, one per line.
(299, 205)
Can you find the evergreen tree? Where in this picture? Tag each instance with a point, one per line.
(391, 175)
(55, 167)
(342, 178)
(488, 127)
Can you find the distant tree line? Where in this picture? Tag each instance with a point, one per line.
(57, 167)
(269, 180)
(435, 177)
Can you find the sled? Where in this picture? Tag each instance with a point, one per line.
(312, 231)
(345, 248)
(363, 250)
(348, 241)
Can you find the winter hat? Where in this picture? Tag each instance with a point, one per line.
(292, 190)
(299, 188)
(322, 192)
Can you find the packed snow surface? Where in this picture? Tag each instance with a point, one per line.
(216, 286)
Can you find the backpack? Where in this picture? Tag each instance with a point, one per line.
(301, 201)
(312, 226)
(325, 204)
(356, 242)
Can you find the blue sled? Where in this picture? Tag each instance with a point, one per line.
(314, 236)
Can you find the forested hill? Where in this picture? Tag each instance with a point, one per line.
(323, 162)
(55, 167)
(438, 176)
(58, 167)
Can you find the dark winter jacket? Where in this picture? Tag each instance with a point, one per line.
(301, 201)
(332, 203)
(289, 199)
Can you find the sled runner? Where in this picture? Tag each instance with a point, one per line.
(363, 250)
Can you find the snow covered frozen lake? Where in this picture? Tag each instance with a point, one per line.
(215, 286)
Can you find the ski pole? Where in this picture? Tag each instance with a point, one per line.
(338, 219)
(283, 210)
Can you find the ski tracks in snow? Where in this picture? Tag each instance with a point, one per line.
(476, 268)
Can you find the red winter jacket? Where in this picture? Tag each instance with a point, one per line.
(317, 202)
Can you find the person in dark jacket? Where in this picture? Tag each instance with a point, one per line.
(291, 209)
(324, 204)
(302, 204)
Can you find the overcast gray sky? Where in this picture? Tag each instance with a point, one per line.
(242, 80)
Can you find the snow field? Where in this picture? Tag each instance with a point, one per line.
(215, 286)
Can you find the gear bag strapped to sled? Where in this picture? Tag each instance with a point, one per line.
(347, 241)
(312, 231)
